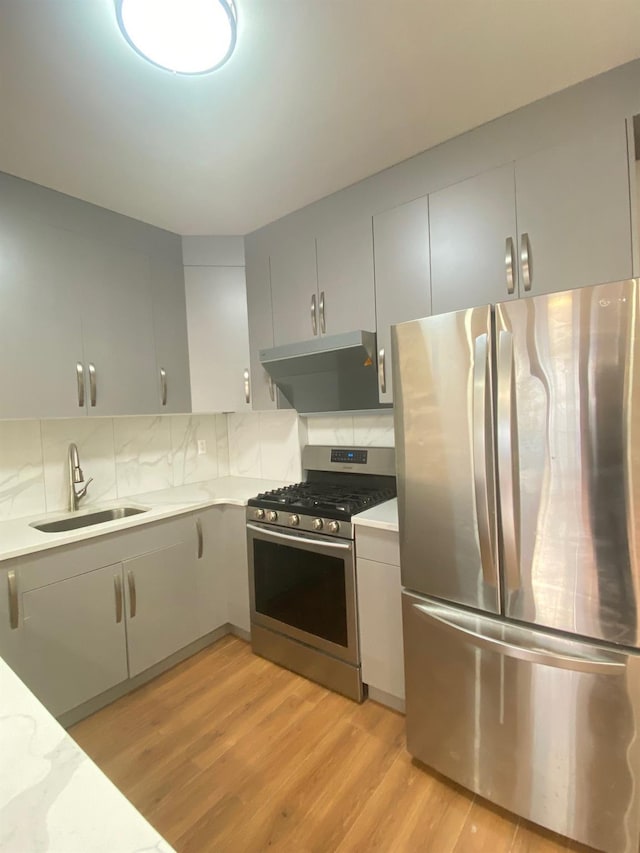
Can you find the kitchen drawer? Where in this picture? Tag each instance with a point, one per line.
(380, 545)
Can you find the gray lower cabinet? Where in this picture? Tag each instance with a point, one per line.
(402, 277)
(78, 620)
(161, 593)
(470, 224)
(380, 614)
(70, 644)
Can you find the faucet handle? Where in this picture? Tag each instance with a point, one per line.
(83, 490)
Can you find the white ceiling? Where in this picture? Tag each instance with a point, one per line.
(319, 94)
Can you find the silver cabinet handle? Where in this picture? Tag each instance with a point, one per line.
(117, 586)
(272, 389)
(508, 474)
(247, 387)
(314, 315)
(133, 602)
(92, 384)
(163, 386)
(382, 371)
(510, 266)
(12, 583)
(482, 457)
(200, 538)
(80, 381)
(613, 664)
(525, 261)
(323, 325)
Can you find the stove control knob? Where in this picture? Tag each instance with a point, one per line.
(294, 520)
(334, 526)
(259, 514)
(272, 515)
(318, 524)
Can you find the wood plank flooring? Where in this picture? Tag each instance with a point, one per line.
(228, 752)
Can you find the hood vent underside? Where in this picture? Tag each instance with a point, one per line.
(329, 374)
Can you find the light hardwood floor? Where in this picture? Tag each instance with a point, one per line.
(228, 752)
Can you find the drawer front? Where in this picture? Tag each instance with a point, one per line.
(382, 546)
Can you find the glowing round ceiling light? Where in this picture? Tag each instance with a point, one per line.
(183, 36)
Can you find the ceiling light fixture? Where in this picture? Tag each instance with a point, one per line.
(183, 36)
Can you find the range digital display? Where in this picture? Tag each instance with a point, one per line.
(358, 457)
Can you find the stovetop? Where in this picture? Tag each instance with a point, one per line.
(329, 500)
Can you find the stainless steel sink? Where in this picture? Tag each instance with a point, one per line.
(76, 521)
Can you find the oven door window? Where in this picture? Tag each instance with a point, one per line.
(300, 588)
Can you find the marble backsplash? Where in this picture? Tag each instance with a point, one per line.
(125, 456)
(129, 456)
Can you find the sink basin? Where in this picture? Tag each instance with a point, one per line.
(76, 521)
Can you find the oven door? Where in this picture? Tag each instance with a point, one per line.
(303, 585)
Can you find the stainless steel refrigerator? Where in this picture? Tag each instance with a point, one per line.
(518, 454)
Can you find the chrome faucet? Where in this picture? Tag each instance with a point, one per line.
(76, 476)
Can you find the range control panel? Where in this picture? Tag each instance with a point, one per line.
(359, 457)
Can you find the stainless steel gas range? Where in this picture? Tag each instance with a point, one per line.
(302, 568)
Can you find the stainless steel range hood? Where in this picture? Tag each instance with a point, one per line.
(328, 374)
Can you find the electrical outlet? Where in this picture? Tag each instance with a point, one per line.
(202, 446)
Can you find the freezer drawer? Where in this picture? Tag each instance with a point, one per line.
(541, 725)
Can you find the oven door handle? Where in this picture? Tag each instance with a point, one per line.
(271, 534)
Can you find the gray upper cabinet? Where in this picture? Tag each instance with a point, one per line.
(117, 325)
(473, 241)
(574, 218)
(170, 327)
(294, 290)
(41, 276)
(260, 315)
(345, 277)
(402, 277)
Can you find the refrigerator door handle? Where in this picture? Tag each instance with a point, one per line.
(612, 664)
(482, 456)
(508, 469)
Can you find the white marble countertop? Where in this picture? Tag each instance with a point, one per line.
(52, 796)
(384, 516)
(17, 537)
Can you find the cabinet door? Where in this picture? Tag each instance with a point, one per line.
(346, 299)
(170, 331)
(117, 325)
(161, 603)
(218, 338)
(211, 571)
(574, 215)
(235, 559)
(41, 273)
(260, 317)
(294, 283)
(402, 275)
(380, 620)
(469, 224)
(70, 642)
